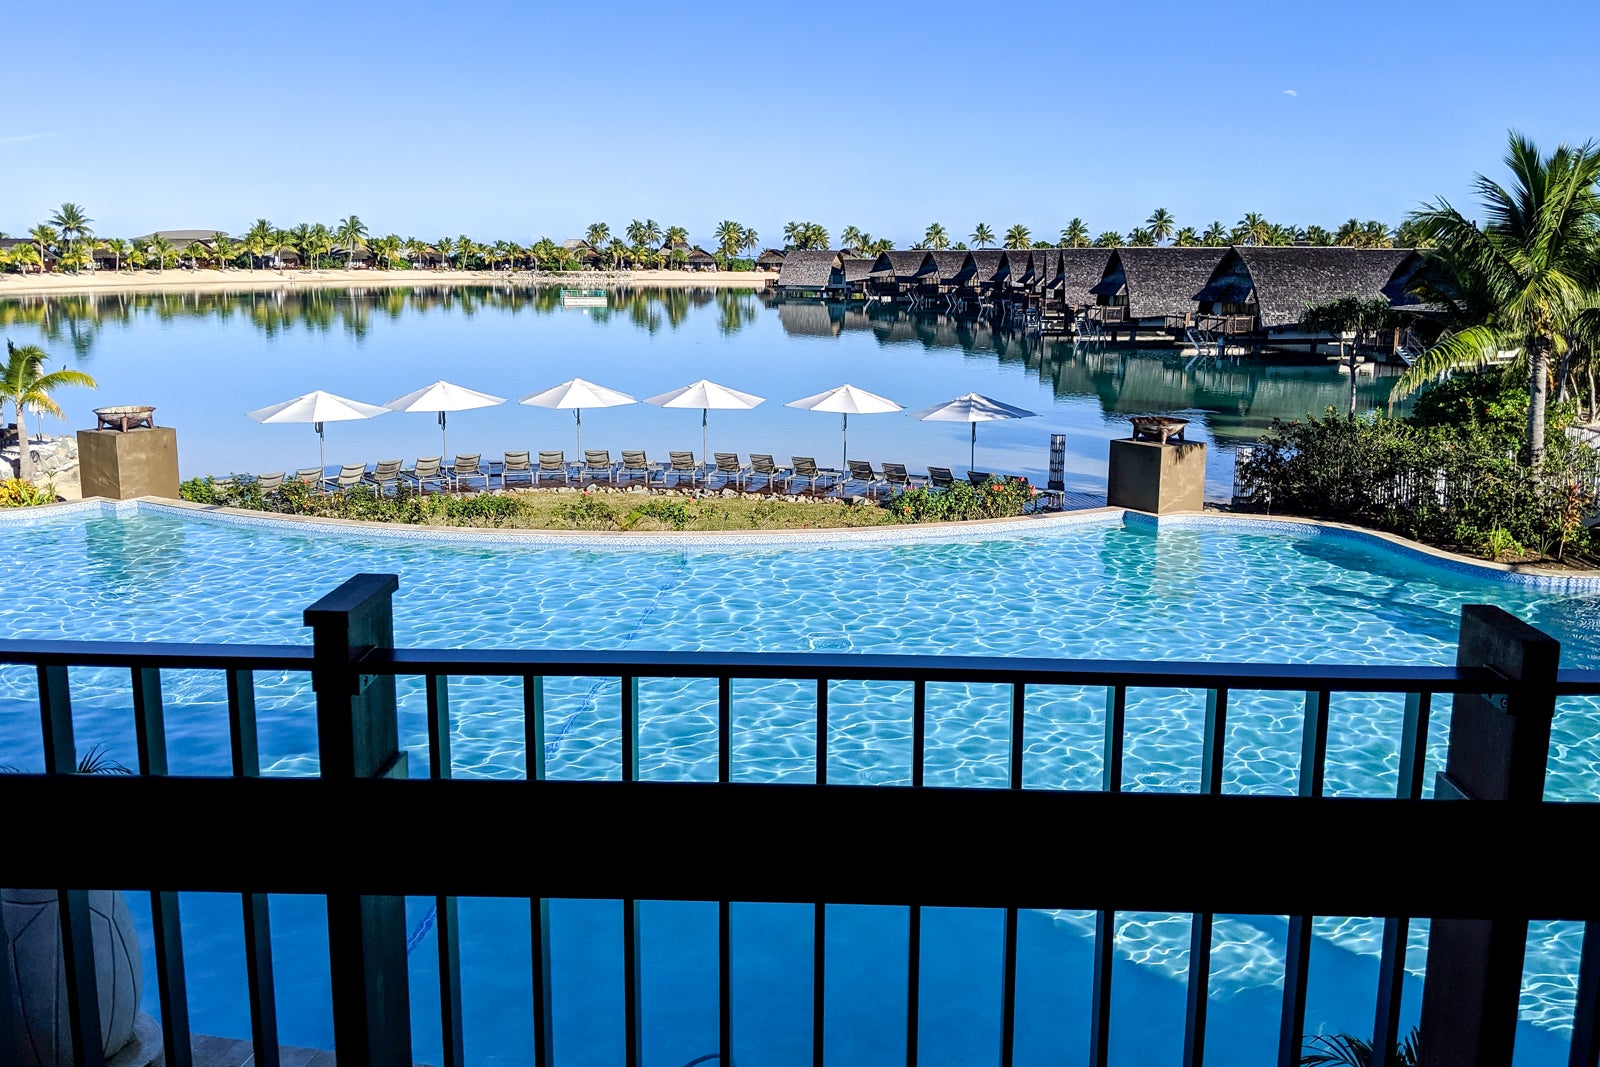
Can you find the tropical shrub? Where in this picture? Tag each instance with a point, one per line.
(994, 499)
(587, 512)
(20, 493)
(670, 513)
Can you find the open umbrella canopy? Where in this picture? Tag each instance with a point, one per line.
(847, 400)
(973, 408)
(317, 408)
(577, 394)
(442, 397)
(705, 395)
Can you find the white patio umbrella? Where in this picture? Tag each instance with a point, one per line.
(443, 397)
(705, 395)
(577, 394)
(973, 408)
(317, 408)
(847, 400)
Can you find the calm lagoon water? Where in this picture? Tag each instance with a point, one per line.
(204, 359)
(1122, 590)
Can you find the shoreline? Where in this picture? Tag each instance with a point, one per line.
(178, 280)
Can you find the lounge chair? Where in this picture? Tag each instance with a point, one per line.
(385, 474)
(468, 465)
(270, 483)
(428, 472)
(768, 469)
(861, 471)
(806, 467)
(596, 465)
(349, 476)
(310, 475)
(553, 465)
(940, 478)
(516, 464)
(897, 478)
(634, 465)
(680, 464)
(731, 470)
(977, 478)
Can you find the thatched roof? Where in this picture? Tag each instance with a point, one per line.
(810, 269)
(770, 257)
(1081, 269)
(1047, 268)
(1019, 266)
(858, 268)
(1159, 281)
(700, 257)
(1288, 279)
(955, 268)
(811, 319)
(185, 238)
(987, 264)
(908, 265)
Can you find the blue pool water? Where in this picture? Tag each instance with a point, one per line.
(1108, 588)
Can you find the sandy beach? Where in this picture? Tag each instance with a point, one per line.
(224, 280)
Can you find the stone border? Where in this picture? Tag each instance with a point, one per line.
(1551, 581)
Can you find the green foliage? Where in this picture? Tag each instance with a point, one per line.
(995, 499)
(587, 512)
(1345, 1050)
(19, 493)
(1447, 477)
(483, 509)
(673, 514)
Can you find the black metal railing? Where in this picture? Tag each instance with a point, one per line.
(950, 847)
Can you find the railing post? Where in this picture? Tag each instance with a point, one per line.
(1499, 744)
(358, 736)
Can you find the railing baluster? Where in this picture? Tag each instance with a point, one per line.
(1397, 929)
(724, 729)
(1019, 697)
(1585, 1048)
(819, 955)
(246, 759)
(633, 1054)
(533, 726)
(1105, 922)
(724, 982)
(55, 721)
(919, 730)
(447, 927)
(1008, 992)
(630, 729)
(913, 981)
(1194, 1027)
(1297, 954)
(543, 1019)
(822, 731)
(150, 729)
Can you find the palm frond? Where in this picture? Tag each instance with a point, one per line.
(1470, 349)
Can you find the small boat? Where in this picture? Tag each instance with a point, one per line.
(583, 298)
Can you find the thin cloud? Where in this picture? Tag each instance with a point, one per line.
(21, 137)
(1290, 92)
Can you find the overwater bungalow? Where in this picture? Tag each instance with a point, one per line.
(1267, 290)
(902, 274)
(1081, 270)
(859, 276)
(811, 273)
(1152, 288)
(700, 259)
(770, 259)
(951, 284)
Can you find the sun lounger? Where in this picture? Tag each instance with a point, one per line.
(897, 478)
(385, 474)
(427, 473)
(309, 475)
(861, 473)
(806, 467)
(977, 478)
(270, 483)
(768, 469)
(350, 475)
(516, 465)
(597, 465)
(940, 478)
(730, 469)
(552, 466)
(468, 466)
(635, 465)
(681, 465)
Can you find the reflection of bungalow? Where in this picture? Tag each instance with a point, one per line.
(1262, 290)
(1153, 287)
(811, 273)
(811, 319)
(700, 259)
(903, 273)
(770, 259)
(858, 275)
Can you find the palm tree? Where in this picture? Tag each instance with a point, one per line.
(351, 232)
(730, 237)
(256, 240)
(446, 247)
(1349, 234)
(1254, 229)
(46, 237)
(1186, 237)
(162, 250)
(635, 232)
(119, 250)
(1534, 265)
(1018, 236)
(73, 224)
(1316, 235)
(25, 385)
(675, 237)
(1075, 234)
(936, 238)
(1216, 235)
(850, 237)
(982, 236)
(24, 256)
(1109, 239)
(1159, 224)
(750, 238)
(597, 234)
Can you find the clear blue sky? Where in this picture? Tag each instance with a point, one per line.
(514, 120)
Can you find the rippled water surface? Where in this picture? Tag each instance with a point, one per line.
(1093, 591)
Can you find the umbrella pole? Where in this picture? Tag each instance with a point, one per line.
(578, 412)
(845, 459)
(972, 447)
(444, 440)
(705, 457)
(322, 457)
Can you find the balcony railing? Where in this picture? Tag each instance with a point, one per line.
(949, 847)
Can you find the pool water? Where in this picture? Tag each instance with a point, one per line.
(1095, 589)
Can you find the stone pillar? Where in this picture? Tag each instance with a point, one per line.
(1158, 478)
(123, 464)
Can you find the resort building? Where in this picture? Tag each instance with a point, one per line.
(812, 274)
(1268, 289)
(700, 259)
(770, 259)
(901, 274)
(858, 275)
(1152, 288)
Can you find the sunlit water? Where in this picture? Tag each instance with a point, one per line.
(1100, 590)
(204, 359)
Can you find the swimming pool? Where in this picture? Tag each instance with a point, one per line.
(1097, 586)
